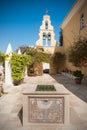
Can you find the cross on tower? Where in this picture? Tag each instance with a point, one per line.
(46, 11)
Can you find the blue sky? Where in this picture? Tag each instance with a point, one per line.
(20, 20)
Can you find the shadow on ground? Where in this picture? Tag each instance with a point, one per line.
(79, 90)
(20, 115)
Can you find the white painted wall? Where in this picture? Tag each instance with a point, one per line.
(1, 67)
(8, 77)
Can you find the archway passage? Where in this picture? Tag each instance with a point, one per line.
(46, 67)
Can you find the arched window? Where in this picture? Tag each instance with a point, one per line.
(82, 24)
(46, 25)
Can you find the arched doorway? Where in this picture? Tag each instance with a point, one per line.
(46, 67)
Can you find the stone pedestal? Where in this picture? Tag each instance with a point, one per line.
(45, 109)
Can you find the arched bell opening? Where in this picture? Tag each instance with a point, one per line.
(49, 39)
(46, 25)
(46, 68)
(44, 39)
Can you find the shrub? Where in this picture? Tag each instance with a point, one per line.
(78, 73)
(77, 53)
(2, 57)
(18, 63)
(45, 88)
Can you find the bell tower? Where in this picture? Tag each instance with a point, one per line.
(46, 33)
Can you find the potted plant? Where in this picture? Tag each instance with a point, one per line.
(78, 76)
(31, 71)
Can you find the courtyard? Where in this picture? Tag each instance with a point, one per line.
(37, 74)
(11, 103)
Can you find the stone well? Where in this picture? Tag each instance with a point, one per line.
(44, 108)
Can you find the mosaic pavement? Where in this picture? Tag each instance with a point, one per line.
(46, 110)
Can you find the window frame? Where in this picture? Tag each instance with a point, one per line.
(82, 23)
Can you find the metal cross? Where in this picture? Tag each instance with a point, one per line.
(46, 11)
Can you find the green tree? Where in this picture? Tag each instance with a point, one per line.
(77, 53)
(18, 63)
(36, 54)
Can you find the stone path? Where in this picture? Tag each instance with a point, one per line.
(78, 100)
(11, 103)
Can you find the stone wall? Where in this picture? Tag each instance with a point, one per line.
(57, 67)
(38, 68)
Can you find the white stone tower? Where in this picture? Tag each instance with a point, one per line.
(46, 34)
(8, 77)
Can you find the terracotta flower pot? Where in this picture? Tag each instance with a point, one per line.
(17, 82)
(78, 80)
